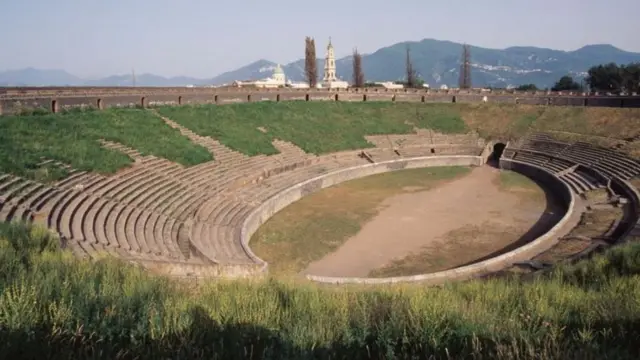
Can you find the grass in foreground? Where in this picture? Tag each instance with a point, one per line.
(319, 223)
(72, 138)
(54, 306)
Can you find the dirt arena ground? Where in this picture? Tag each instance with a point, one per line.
(416, 229)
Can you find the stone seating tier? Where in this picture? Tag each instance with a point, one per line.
(608, 162)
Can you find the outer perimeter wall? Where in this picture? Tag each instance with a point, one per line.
(279, 201)
(14, 100)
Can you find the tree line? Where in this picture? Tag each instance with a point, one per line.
(609, 78)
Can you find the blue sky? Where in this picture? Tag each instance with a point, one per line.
(203, 38)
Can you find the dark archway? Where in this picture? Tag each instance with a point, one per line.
(453, 100)
(496, 154)
(99, 104)
(278, 98)
(143, 102)
(306, 97)
(54, 106)
(249, 98)
(364, 97)
(215, 99)
(423, 98)
(336, 97)
(179, 100)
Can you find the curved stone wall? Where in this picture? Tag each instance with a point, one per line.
(279, 201)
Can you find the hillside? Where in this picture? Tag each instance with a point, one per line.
(436, 61)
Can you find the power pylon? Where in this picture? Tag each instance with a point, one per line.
(465, 68)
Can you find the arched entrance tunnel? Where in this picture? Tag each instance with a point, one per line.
(496, 154)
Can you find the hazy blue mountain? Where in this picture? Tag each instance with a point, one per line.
(144, 80)
(436, 61)
(37, 77)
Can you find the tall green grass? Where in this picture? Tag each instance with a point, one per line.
(316, 127)
(53, 306)
(72, 138)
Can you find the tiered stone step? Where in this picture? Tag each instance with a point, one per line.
(423, 138)
(608, 162)
(581, 182)
(14, 192)
(130, 152)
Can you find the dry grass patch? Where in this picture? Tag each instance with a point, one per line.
(502, 121)
(318, 224)
(604, 122)
(597, 222)
(459, 247)
(597, 196)
(563, 249)
(520, 185)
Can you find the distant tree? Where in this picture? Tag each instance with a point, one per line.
(410, 72)
(566, 83)
(358, 75)
(310, 62)
(613, 78)
(527, 87)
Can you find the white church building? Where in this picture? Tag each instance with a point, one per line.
(278, 79)
(330, 79)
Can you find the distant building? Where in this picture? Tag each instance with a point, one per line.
(330, 80)
(298, 85)
(390, 85)
(276, 80)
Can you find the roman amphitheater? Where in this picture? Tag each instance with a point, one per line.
(202, 220)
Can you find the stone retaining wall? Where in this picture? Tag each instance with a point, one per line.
(57, 100)
(525, 252)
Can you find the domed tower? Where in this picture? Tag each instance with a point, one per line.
(330, 65)
(278, 75)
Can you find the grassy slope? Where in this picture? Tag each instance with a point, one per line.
(316, 127)
(329, 126)
(73, 137)
(57, 307)
(315, 226)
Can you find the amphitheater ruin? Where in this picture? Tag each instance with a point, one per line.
(197, 221)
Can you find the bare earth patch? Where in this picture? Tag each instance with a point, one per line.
(320, 223)
(456, 223)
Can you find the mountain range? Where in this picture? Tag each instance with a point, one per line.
(437, 62)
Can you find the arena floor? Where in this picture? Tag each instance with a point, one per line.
(471, 217)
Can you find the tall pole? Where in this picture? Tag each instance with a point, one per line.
(465, 68)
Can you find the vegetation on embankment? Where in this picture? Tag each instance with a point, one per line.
(320, 223)
(73, 138)
(321, 127)
(55, 306)
(317, 127)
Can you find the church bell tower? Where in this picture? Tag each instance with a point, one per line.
(330, 65)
